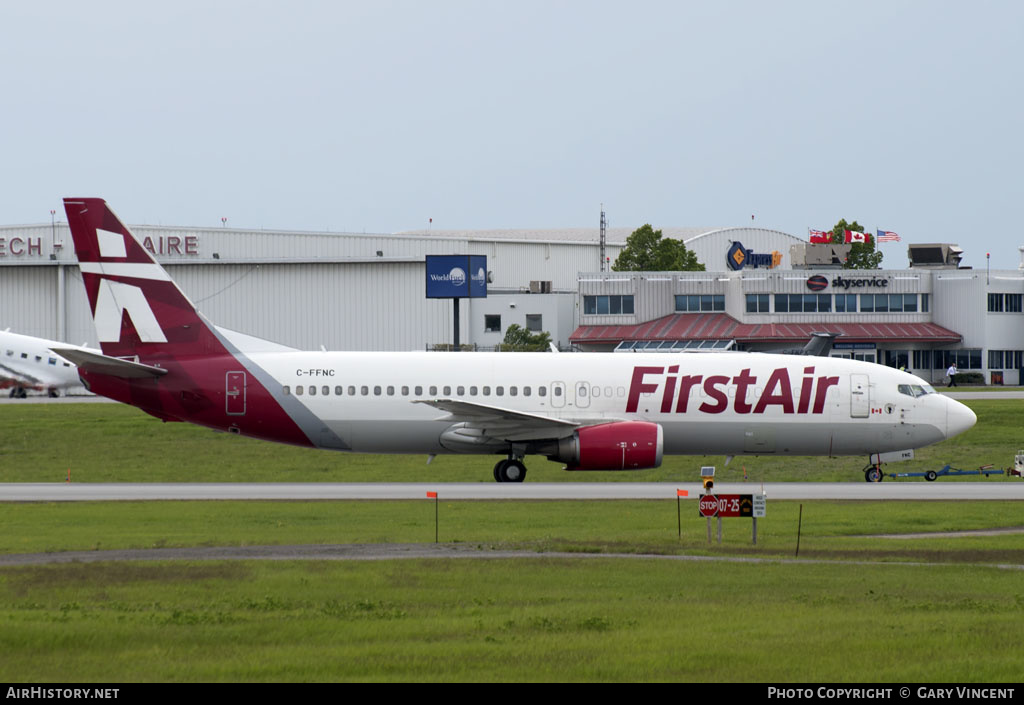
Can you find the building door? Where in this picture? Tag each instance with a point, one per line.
(860, 396)
(234, 393)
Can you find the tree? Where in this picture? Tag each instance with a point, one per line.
(518, 339)
(647, 251)
(862, 254)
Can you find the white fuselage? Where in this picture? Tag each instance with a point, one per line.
(714, 403)
(27, 363)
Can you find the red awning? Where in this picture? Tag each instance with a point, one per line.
(720, 326)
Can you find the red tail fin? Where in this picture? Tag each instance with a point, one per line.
(137, 309)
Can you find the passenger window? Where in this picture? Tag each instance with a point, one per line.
(364, 390)
(286, 390)
(325, 390)
(558, 391)
(298, 390)
(461, 391)
(542, 391)
(376, 390)
(433, 391)
(583, 390)
(447, 391)
(487, 391)
(351, 391)
(391, 391)
(472, 391)
(419, 391)
(312, 391)
(499, 391)
(526, 391)
(405, 391)
(596, 392)
(513, 391)
(339, 390)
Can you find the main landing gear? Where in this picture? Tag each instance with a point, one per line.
(510, 469)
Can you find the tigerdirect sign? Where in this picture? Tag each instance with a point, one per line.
(456, 276)
(739, 257)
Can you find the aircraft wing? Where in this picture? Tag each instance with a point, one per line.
(104, 364)
(504, 424)
(10, 377)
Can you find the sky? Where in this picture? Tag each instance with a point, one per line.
(380, 115)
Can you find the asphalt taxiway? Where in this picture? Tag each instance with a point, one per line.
(888, 490)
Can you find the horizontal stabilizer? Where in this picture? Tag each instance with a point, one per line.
(106, 365)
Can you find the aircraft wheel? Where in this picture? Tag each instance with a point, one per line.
(873, 474)
(509, 470)
(22, 394)
(53, 393)
(930, 476)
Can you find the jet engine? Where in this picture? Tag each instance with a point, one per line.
(622, 445)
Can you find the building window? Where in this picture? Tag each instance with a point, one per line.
(612, 305)
(492, 323)
(803, 303)
(758, 303)
(846, 303)
(1010, 303)
(925, 299)
(967, 359)
(1005, 359)
(533, 322)
(702, 303)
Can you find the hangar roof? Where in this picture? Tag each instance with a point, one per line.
(719, 326)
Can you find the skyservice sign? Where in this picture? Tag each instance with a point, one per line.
(456, 276)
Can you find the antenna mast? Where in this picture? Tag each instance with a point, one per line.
(604, 238)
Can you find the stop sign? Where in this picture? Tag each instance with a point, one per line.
(708, 505)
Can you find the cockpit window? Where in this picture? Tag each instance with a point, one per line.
(915, 390)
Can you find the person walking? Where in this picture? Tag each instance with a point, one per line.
(951, 373)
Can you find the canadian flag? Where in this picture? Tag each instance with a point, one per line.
(854, 236)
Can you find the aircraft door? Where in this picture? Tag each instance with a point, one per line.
(557, 394)
(582, 395)
(860, 396)
(234, 393)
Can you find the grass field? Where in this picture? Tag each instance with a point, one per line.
(863, 609)
(117, 443)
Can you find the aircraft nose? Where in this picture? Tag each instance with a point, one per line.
(959, 418)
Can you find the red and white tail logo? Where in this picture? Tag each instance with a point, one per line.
(137, 309)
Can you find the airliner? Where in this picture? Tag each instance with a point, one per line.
(26, 363)
(591, 411)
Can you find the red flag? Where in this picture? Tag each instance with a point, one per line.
(820, 237)
(431, 495)
(682, 493)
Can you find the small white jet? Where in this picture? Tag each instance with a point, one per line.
(592, 411)
(28, 363)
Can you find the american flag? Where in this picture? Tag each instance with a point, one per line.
(888, 236)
